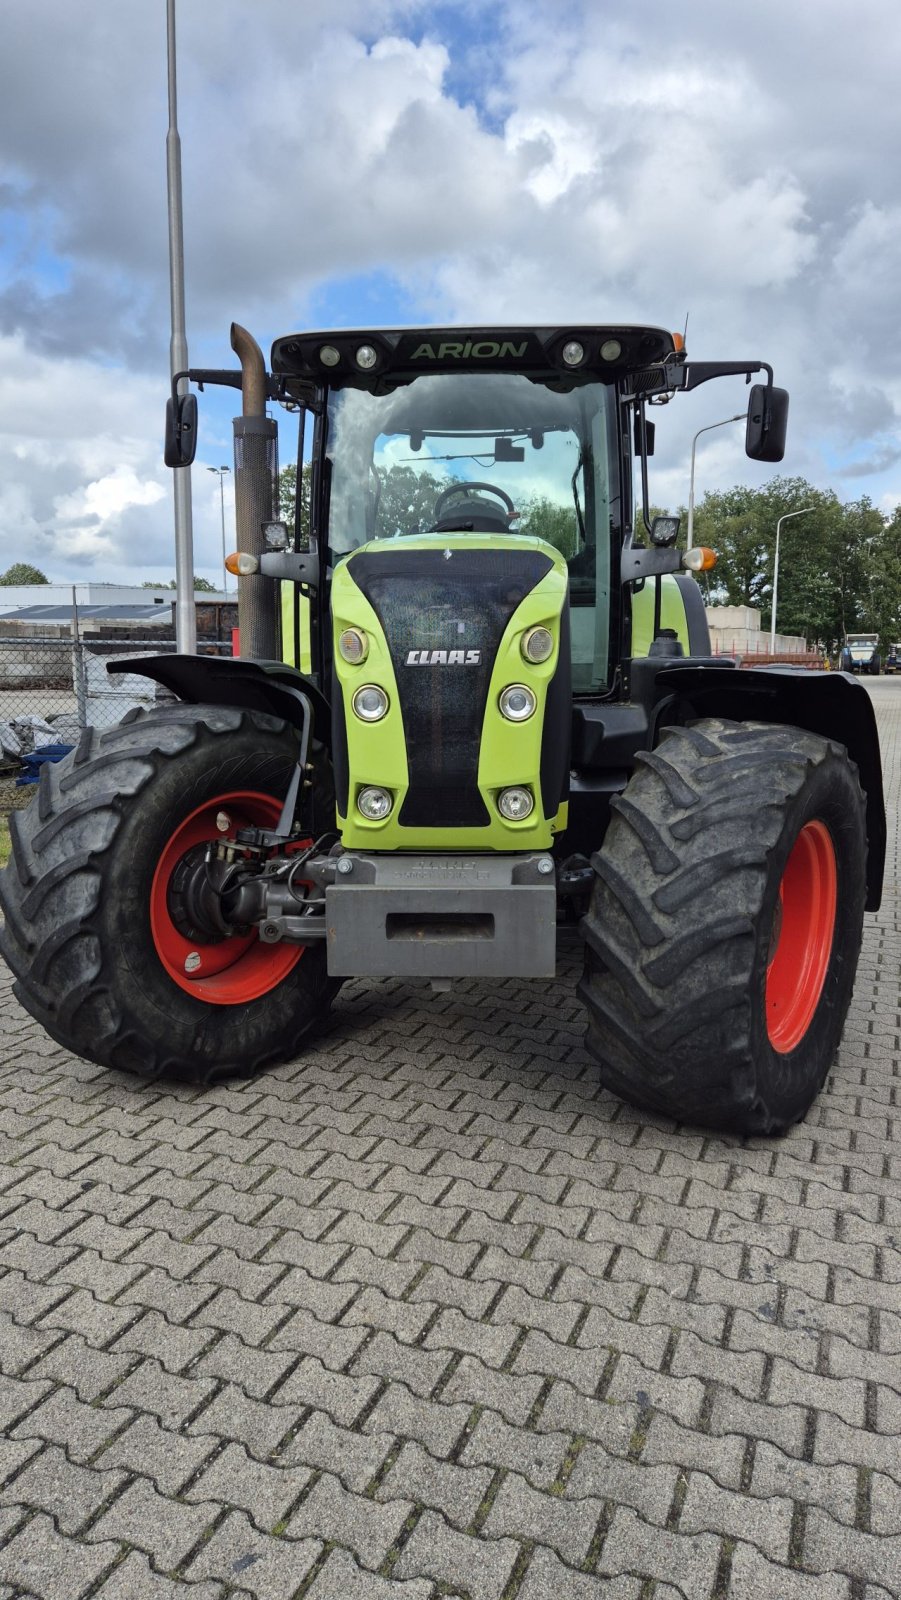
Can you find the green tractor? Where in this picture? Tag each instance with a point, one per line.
(509, 719)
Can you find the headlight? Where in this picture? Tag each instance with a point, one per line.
(573, 353)
(374, 804)
(329, 356)
(370, 703)
(538, 644)
(515, 804)
(611, 350)
(517, 702)
(353, 646)
(366, 357)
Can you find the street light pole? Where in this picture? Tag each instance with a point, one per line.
(185, 612)
(802, 513)
(691, 485)
(220, 473)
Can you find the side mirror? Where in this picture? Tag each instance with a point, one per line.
(767, 423)
(650, 429)
(180, 442)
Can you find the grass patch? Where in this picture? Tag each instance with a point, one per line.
(5, 844)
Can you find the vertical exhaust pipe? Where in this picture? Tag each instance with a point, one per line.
(256, 499)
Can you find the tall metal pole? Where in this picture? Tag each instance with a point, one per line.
(782, 519)
(220, 473)
(691, 485)
(185, 613)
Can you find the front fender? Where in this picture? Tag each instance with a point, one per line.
(269, 686)
(832, 704)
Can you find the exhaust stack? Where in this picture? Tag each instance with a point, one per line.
(256, 498)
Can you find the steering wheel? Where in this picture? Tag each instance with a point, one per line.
(468, 488)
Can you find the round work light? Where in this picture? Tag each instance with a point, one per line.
(374, 804)
(515, 804)
(370, 703)
(517, 702)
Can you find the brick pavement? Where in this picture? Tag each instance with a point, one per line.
(425, 1313)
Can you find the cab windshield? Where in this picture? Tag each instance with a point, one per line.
(485, 452)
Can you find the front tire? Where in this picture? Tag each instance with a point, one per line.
(725, 924)
(93, 931)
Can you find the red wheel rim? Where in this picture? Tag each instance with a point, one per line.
(803, 931)
(232, 971)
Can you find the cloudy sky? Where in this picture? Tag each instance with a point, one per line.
(356, 162)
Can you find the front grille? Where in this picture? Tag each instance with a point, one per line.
(428, 601)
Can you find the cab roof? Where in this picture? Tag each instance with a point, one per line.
(379, 358)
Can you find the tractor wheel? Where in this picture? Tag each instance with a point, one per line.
(101, 946)
(725, 923)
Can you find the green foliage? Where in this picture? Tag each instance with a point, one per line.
(839, 565)
(23, 572)
(542, 518)
(201, 585)
(287, 496)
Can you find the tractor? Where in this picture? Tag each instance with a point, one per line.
(486, 708)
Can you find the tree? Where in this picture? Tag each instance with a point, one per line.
(287, 497)
(201, 585)
(23, 572)
(839, 566)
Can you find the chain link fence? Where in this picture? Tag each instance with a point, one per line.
(50, 689)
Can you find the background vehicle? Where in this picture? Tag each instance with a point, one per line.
(511, 716)
(893, 658)
(861, 653)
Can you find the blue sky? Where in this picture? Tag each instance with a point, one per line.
(392, 162)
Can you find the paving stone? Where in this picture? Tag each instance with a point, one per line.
(134, 1579)
(152, 1451)
(548, 1579)
(330, 1511)
(39, 1561)
(478, 1567)
(436, 1425)
(753, 1576)
(258, 1564)
(234, 1415)
(68, 1493)
(166, 1530)
(523, 1513)
(342, 1395)
(355, 1458)
(537, 1456)
(342, 1579)
(688, 1561)
(831, 1547)
(455, 1491)
(257, 1372)
(265, 1492)
(151, 1388)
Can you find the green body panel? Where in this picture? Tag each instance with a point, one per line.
(510, 753)
(672, 615)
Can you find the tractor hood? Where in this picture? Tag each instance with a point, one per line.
(439, 624)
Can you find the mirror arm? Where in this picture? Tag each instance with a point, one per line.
(227, 378)
(698, 372)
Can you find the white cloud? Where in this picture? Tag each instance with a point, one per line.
(622, 165)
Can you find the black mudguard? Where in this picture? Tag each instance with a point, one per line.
(270, 686)
(832, 704)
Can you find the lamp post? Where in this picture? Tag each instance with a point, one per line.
(220, 473)
(185, 610)
(802, 513)
(739, 415)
